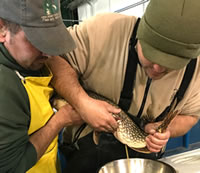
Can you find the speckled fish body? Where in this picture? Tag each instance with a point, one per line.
(127, 132)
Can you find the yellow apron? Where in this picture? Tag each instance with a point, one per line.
(39, 93)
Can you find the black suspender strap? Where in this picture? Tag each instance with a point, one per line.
(183, 87)
(186, 79)
(144, 97)
(127, 91)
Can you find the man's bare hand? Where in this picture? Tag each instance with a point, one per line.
(68, 116)
(99, 114)
(155, 140)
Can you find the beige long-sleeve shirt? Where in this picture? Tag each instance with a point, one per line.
(101, 58)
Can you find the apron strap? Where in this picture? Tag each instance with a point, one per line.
(20, 76)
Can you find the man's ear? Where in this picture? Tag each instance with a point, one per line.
(3, 31)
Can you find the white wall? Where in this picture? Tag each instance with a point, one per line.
(99, 6)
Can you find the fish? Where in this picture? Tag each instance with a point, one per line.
(128, 132)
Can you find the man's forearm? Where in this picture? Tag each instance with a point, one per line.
(42, 138)
(98, 114)
(64, 74)
(182, 124)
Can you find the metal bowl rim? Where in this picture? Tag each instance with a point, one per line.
(119, 160)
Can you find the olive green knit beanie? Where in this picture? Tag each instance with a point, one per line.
(169, 32)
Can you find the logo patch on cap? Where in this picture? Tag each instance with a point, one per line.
(51, 10)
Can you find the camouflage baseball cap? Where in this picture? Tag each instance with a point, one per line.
(169, 32)
(42, 23)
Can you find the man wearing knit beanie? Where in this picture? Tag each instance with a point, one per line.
(147, 71)
(168, 32)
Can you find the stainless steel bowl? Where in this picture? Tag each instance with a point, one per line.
(137, 165)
